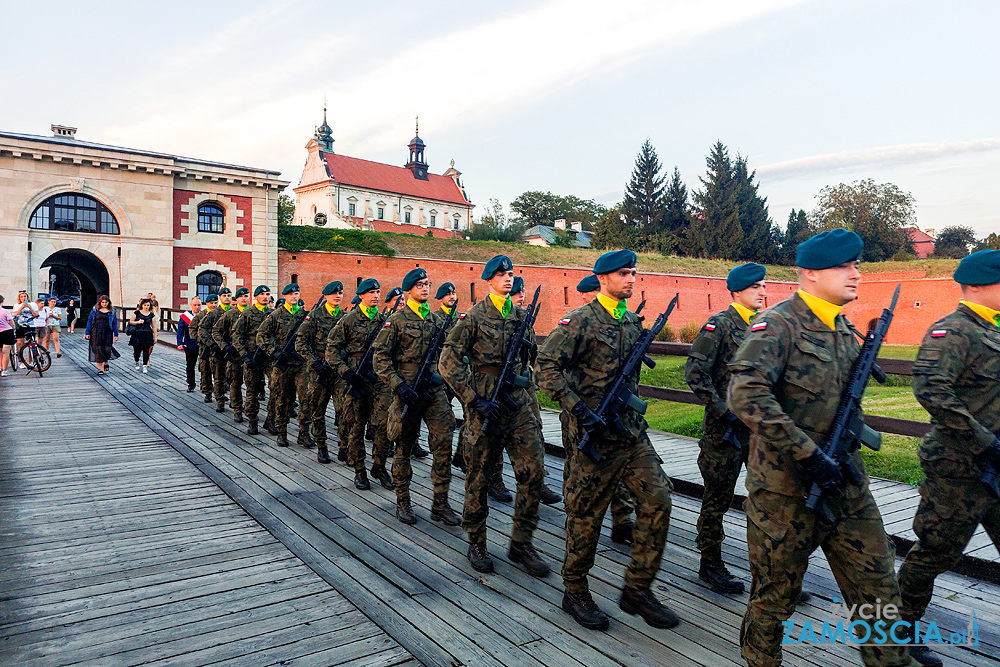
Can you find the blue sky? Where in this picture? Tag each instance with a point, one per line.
(552, 95)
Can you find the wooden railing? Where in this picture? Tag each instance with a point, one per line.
(167, 322)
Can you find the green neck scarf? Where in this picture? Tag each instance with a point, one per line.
(370, 313)
(504, 307)
(423, 310)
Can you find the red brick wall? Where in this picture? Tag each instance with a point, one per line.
(183, 220)
(186, 259)
(181, 198)
(402, 228)
(245, 206)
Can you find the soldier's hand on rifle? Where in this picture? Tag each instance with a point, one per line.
(730, 418)
(407, 395)
(588, 418)
(487, 409)
(824, 471)
(278, 356)
(319, 366)
(351, 378)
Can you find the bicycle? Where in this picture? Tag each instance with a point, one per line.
(34, 357)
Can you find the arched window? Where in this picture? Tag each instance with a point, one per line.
(210, 217)
(74, 213)
(208, 282)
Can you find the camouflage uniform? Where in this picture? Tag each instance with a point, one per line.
(207, 331)
(272, 337)
(245, 341)
(787, 379)
(204, 352)
(956, 377)
(399, 350)
(622, 503)
(470, 362)
(344, 348)
(708, 376)
(310, 344)
(223, 335)
(579, 360)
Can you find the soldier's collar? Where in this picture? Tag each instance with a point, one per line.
(292, 308)
(744, 312)
(616, 309)
(502, 303)
(260, 306)
(421, 309)
(984, 312)
(332, 310)
(370, 313)
(826, 312)
(446, 309)
(241, 308)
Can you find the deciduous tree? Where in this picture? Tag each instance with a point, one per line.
(878, 212)
(954, 242)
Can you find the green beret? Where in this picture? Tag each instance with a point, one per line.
(356, 300)
(393, 293)
(335, 286)
(979, 268)
(224, 290)
(261, 289)
(289, 288)
(411, 278)
(367, 285)
(610, 262)
(444, 290)
(744, 276)
(211, 298)
(518, 285)
(589, 284)
(496, 265)
(241, 291)
(301, 303)
(829, 249)
(280, 302)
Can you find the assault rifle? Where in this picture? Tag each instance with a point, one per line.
(849, 430)
(364, 369)
(508, 377)
(991, 478)
(426, 376)
(618, 396)
(732, 434)
(288, 353)
(257, 359)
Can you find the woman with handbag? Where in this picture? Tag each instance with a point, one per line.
(102, 332)
(140, 331)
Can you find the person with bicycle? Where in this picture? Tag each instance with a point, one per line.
(102, 332)
(7, 339)
(53, 317)
(24, 313)
(41, 318)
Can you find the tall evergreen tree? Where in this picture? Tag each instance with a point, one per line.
(645, 201)
(677, 217)
(715, 229)
(612, 233)
(760, 236)
(796, 231)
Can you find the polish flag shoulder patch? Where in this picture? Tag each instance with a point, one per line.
(939, 333)
(462, 316)
(709, 327)
(760, 326)
(564, 320)
(386, 324)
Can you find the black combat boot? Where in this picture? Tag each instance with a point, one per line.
(269, 426)
(361, 481)
(621, 533)
(322, 455)
(370, 433)
(548, 496)
(442, 511)
(479, 557)
(208, 398)
(382, 475)
(719, 578)
(919, 652)
(342, 454)
(404, 511)
(586, 612)
(418, 452)
(525, 554)
(282, 439)
(499, 493)
(238, 417)
(304, 439)
(644, 603)
(252, 428)
(220, 407)
(292, 413)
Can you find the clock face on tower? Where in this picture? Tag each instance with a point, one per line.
(421, 173)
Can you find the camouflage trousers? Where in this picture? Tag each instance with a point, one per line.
(373, 406)
(234, 373)
(521, 436)
(950, 511)
(589, 488)
(318, 397)
(220, 379)
(622, 502)
(285, 384)
(254, 381)
(205, 370)
(440, 434)
(781, 535)
(496, 463)
(720, 465)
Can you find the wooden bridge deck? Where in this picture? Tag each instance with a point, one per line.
(414, 582)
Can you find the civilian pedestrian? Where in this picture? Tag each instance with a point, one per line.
(7, 338)
(71, 315)
(102, 332)
(188, 344)
(53, 317)
(141, 339)
(24, 314)
(39, 323)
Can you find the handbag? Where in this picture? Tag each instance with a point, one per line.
(130, 329)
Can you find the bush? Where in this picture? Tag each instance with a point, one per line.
(689, 332)
(667, 334)
(298, 238)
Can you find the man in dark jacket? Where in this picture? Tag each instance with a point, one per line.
(188, 344)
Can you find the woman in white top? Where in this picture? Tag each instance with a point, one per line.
(53, 318)
(24, 314)
(6, 337)
(40, 321)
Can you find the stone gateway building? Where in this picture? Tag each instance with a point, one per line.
(80, 218)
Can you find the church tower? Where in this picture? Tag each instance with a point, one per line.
(324, 135)
(416, 163)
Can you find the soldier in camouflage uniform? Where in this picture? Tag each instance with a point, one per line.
(400, 349)
(725, 440)
(204, 345)
(218, 364)
(956, 377)
(245, 341)
(310, 344)
(578, 362)
(365, 399)
(222, 334)
(471, 361)
(272, 336)
(787, 380)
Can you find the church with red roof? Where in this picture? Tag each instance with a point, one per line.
(342, 192)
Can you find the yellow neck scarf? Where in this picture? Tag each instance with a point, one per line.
(615, 308)
(446, 309)
(985, 312)
(242, 308)
(260, 306)
(827, 312)
(370, 313)
(744, 312)
(292, 308)
(421, 309)
(502, 304)
(332, 310)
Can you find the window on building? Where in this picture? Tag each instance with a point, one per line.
(455, 226)
(565, 296)
(295, 278)
(433, 220)
(210, 218)
(208, 282)
(74, 213)
(406, 217)
(350, 210)
(381, 213)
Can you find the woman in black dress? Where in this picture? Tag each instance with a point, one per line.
(71, 314)
(142, 339)
(102, 332)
